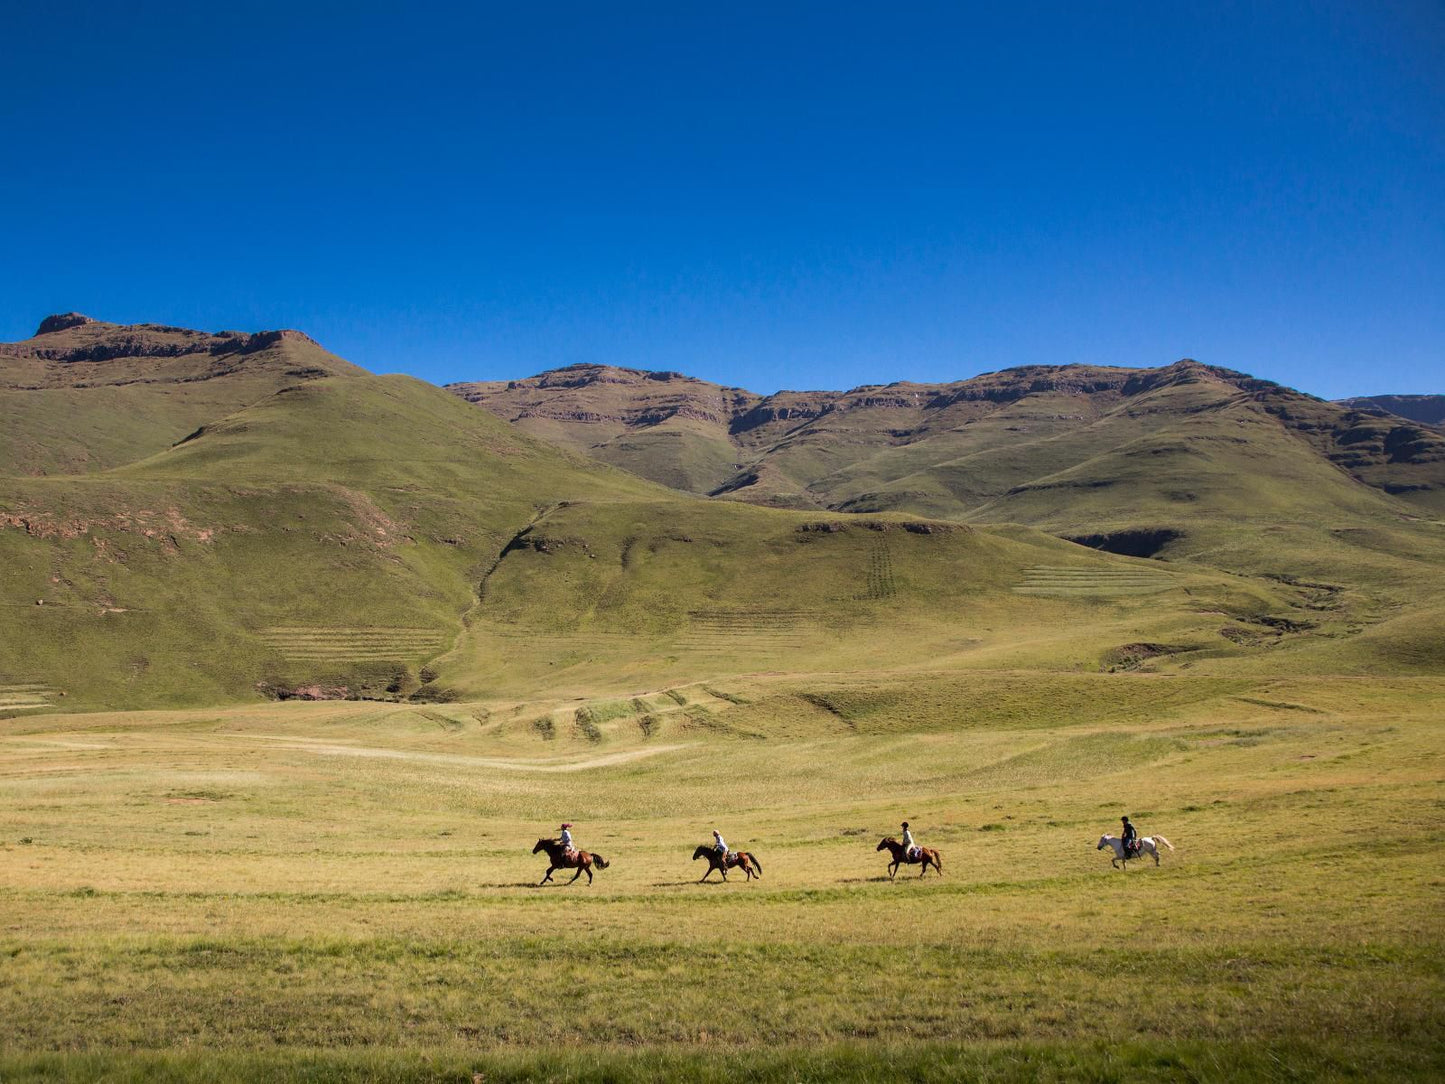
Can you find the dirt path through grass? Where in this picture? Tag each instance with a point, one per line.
(551, 764)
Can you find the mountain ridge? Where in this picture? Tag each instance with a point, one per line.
(1427, 409)
(783, 448)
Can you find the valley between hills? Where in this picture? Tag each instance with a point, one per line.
(297, 660)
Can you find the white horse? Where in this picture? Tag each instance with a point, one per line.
(1147, 845)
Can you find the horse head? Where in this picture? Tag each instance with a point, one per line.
(541, 845)
(1103, 842)
(886, 843)
(701, 852)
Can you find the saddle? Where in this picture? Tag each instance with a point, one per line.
(914, 853)
(731, 859)
(1133, 848)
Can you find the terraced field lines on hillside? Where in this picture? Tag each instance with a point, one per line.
(711, 629)
(1093, 581)
(351, 643)
(879, 583)
(25, 696)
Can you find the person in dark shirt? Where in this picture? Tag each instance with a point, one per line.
(1131, 838)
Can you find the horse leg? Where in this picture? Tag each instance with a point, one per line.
(589, 874)
(892, 870)
(705, 876)
(548, 877)
(1156, 856)
(579, 874)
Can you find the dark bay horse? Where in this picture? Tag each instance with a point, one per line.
(926, 856)
(746, 859)
(581, 861)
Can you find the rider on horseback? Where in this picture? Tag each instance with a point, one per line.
(1131, 839)
(910, 848)
(566, 839)
(720, 845)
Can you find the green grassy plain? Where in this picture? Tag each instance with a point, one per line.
(345, 891)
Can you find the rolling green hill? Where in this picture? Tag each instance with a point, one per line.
(617, 597)
(189, 518)
(323, 539)
(83, 395)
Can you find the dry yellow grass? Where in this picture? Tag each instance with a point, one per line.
(302, 876)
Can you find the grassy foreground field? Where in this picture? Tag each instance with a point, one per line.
(344, 891)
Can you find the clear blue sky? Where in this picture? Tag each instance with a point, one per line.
(775, 195)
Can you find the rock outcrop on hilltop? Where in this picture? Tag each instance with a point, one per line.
(600, 394)
(61, 321)
(73, 337)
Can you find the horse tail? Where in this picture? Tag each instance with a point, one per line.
(754, 860)
(599, 861)
(938, 861)
(1161, 839)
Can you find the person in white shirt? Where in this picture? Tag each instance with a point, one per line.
(566, 838)
(720, 845)
(909, 847)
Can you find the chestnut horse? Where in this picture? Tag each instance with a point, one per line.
(581, 861)
(926, 856)
(746, 859)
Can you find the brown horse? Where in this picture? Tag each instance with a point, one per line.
(746, 859)
(926, 856)
(581, 861)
